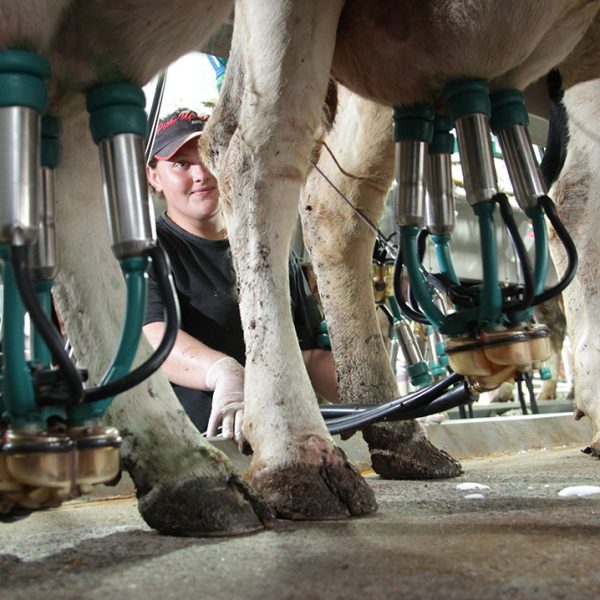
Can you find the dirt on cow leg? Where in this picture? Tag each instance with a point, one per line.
(402, 451)
(205, 507)
(330, 488)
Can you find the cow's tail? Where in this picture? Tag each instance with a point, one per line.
(558, 131)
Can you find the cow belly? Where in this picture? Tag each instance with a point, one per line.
(406, 52)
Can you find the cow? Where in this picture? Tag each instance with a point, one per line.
(341, 247)
(258, 144)
(270, 106)
(185, 486)
(575, 192)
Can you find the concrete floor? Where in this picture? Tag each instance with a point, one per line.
(428, 540)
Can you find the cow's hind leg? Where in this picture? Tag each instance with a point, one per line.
(341, 249)
(575, 193)
(283, 61)
(184, 485)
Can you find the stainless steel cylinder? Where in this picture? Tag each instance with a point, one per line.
(19, 172)
(440, 200)
(392, 352)
(476, 157)
(409, 207)
(130, 214)
(408, 343)
(523, 169)
(45, 250)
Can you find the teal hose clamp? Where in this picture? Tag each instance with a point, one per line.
(116, 108)
(51, 147)
(467, 96)
(545, 373)
(323, 340)
(442, 141)
(23, 79)
(442, 357)
(413, 123)
(508, 109)
(419, 374)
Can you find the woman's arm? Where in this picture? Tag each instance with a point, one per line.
(321, 370)
(190, 359)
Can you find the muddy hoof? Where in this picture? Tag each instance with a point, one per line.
(333, 489)
(592, 451)
(401, 451)
(204, 508)
(13, 514)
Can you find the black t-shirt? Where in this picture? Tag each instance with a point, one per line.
(206, 289)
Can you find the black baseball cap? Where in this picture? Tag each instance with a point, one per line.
(175, 130)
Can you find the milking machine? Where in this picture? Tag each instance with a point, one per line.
(401, 336)
(489, 331)
(54, 445)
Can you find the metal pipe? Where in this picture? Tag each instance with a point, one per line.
(19, 172)
(440, 200)
(409, 209)
(131, 216)
(476, 157)
(45, 250)
(411, 351)
(523, 168)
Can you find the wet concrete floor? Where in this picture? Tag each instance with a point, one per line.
(428, 540)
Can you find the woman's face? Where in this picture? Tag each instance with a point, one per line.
(189, 188)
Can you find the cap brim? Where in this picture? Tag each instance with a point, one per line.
(171, 149)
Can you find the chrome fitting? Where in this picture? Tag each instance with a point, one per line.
(440, 200)
(409, 206)
(476, 157)
(19, 173)
(44, 257)
(130, 213)
(523, 168)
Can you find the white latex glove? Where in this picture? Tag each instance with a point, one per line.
(225, 377)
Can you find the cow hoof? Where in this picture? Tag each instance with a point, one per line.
(333, 489)
(396, 455)
(202, 507)
(592, 451)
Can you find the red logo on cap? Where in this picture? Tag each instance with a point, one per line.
(182, 116)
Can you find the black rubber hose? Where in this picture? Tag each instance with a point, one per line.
(567, 242)
(458, 396)
(408, 311)
(387, 312)
(522, 256)
(422, 243)
(43, 324)
(359, 416)
(155, 360)
(435, 279)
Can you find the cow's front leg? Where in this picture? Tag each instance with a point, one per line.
(341, 249)
(286, 57)
(184, 485)
(576, 193)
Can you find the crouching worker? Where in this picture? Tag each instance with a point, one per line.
(206, 365)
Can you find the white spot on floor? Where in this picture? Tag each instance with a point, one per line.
(463, 487)
(474, 496)
(579, 491)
